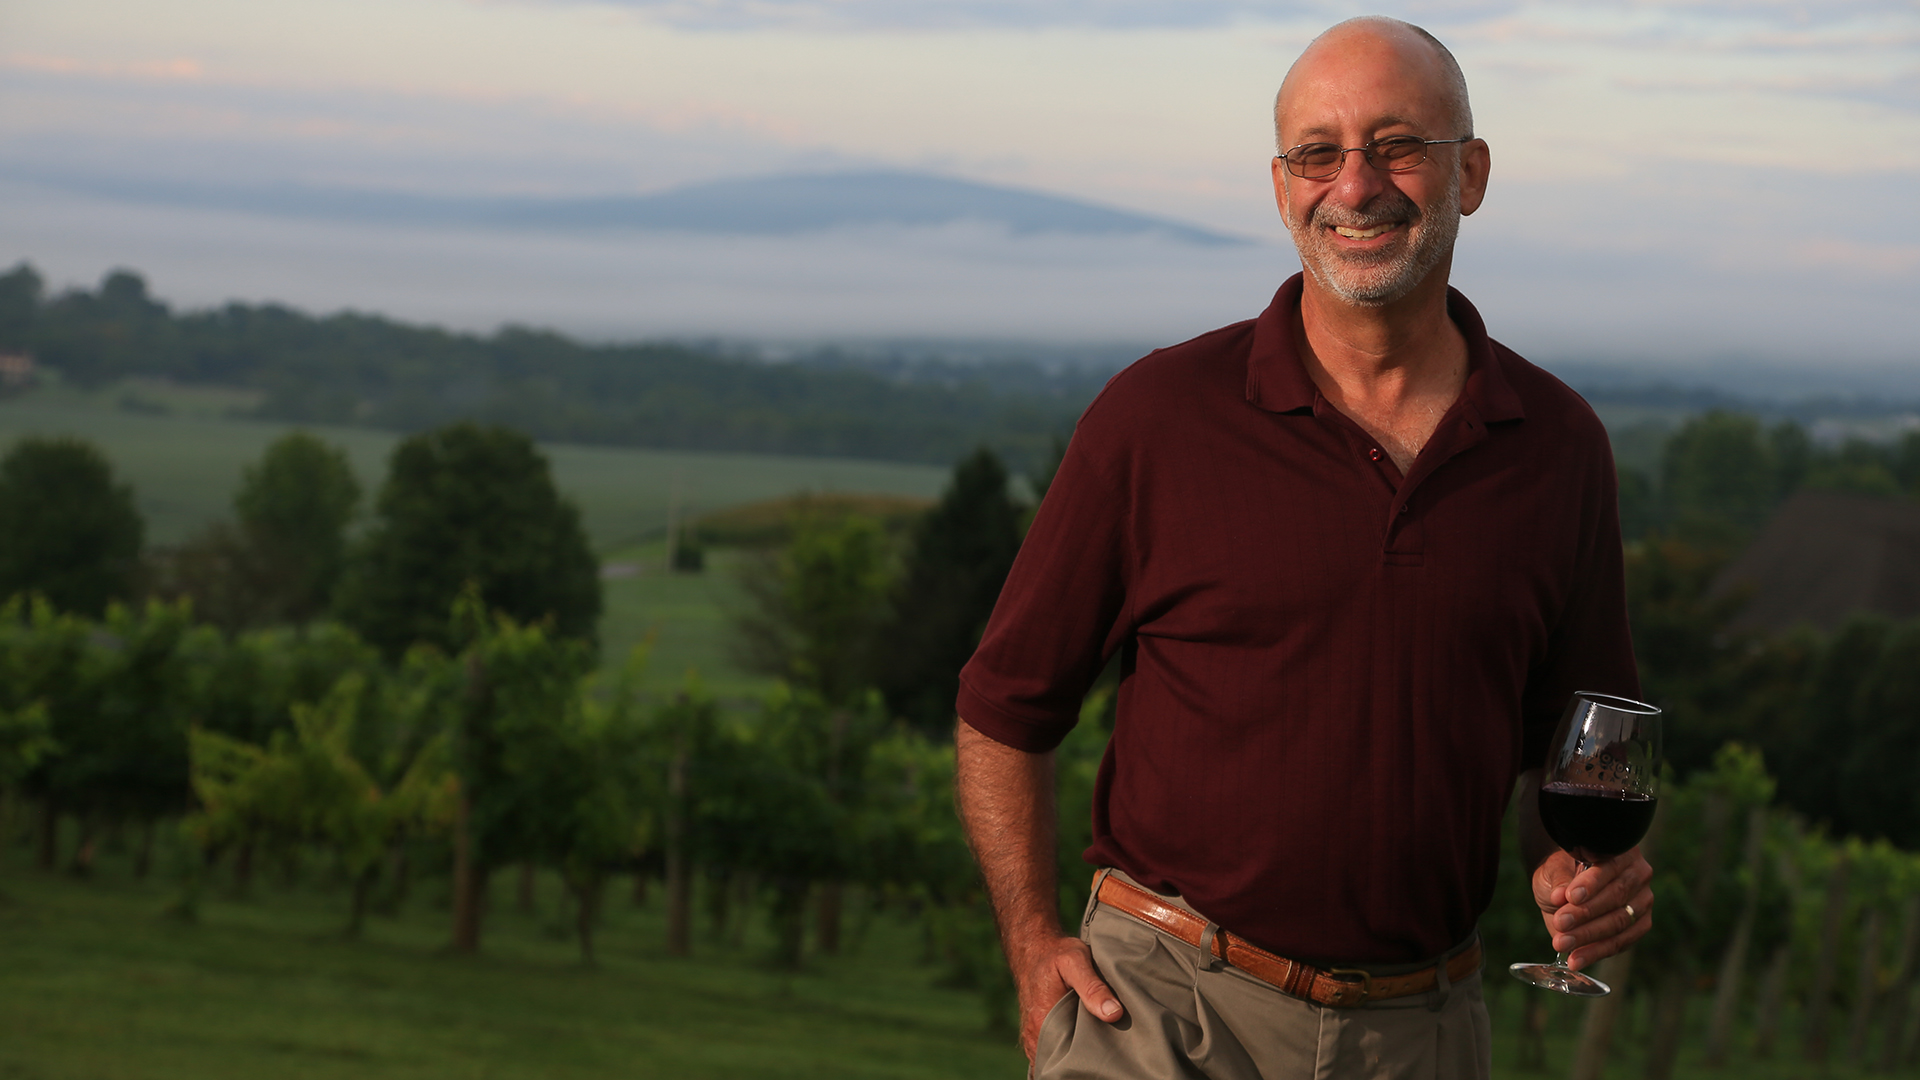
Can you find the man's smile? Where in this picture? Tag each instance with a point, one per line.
(1363, 234)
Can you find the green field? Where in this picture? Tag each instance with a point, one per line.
(97, 982)
(185, 463)
(184, 455)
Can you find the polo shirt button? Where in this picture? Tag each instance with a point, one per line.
(1403, 507)
(1374, 453)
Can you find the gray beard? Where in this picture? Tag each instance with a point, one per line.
(1376, 280)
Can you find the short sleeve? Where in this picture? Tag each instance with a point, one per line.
(1058, 616)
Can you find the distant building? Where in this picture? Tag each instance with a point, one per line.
(1826, 556)
(16, 372)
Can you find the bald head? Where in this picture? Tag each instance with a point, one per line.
(1416, 53)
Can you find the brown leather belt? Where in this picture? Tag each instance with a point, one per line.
(1339, 987)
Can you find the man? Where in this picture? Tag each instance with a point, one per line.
(1355, 558)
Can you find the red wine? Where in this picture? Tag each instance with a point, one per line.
(1591, 821)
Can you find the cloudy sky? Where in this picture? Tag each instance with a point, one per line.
(1675, 183)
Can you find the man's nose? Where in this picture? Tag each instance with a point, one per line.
(1359, 180)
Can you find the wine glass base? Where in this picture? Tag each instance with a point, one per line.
(1559, 979)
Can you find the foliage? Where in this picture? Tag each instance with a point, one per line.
(467, 506)
(959, 558)
(817, 604)
(294, 506)
(117, 699)
(315, 784)
(280, 563)
(1697, 855)
(1722, 475)
(67, 530)
(546, 773)
(23, 740)
(359, 369)
(1856, 734)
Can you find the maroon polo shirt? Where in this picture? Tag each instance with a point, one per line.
(1331, 674)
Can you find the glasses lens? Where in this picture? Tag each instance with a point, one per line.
(1400, 153)
(1311, 161)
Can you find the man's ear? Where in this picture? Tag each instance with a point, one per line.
(1280, 181)
(1475, 161)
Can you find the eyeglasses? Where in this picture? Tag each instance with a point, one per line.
(1395, 153)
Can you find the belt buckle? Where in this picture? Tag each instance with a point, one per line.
(1345, 977)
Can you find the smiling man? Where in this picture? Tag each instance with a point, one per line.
(1354, 557)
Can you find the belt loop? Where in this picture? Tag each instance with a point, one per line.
(1093, 901)
(1208, 960)
(1443, 985)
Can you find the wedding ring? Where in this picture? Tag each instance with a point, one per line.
(1631, 917)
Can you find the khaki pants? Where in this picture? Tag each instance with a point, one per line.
(1186, 1018)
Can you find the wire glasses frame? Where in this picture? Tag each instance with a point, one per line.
(1395, 153)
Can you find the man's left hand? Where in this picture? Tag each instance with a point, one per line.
(1601, 911)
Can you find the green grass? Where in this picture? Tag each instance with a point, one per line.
(683, 617)
(185, 463)
(97, 982)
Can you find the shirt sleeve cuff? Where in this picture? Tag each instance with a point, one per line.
(1034, 736)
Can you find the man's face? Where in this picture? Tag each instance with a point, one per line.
(1369, 236)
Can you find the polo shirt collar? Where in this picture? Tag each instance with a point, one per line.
(1277, 381)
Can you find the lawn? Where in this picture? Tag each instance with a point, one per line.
(682, 617)
(98, 982)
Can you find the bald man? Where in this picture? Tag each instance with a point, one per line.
(1354, 557)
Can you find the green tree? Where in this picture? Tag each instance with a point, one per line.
(294, 507)
(514, 703)
(466, 505)
(120, 697)
(21, 293)
(1719, 477)
(68, 531)
(315, 783)
(817, 605)
(961, 552)
(115, 331)
(1857, 467)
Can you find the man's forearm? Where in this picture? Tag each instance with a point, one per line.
(1006, 803)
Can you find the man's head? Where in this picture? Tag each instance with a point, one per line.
(1370, 235)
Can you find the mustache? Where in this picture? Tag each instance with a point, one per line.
(1388, 208)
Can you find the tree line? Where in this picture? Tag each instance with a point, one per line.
(1722, 474)
(367, 370)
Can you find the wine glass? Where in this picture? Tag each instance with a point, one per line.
(1597, 798)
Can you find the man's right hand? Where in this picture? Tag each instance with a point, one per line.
(1006, 801)
(1050, 970)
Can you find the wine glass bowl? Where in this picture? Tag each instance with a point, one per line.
(1598, 795)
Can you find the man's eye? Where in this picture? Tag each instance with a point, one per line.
(1316, 154)
(1398, 146)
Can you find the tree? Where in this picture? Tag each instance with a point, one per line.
(315, 783)
(466, 505)
(817, 605)
(294, 506)
(515, 697)
(961, 552)
(119, 698)
(1719, 477)
(67, 530)
(21, 292)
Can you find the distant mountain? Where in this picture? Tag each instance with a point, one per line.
(758, 206)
